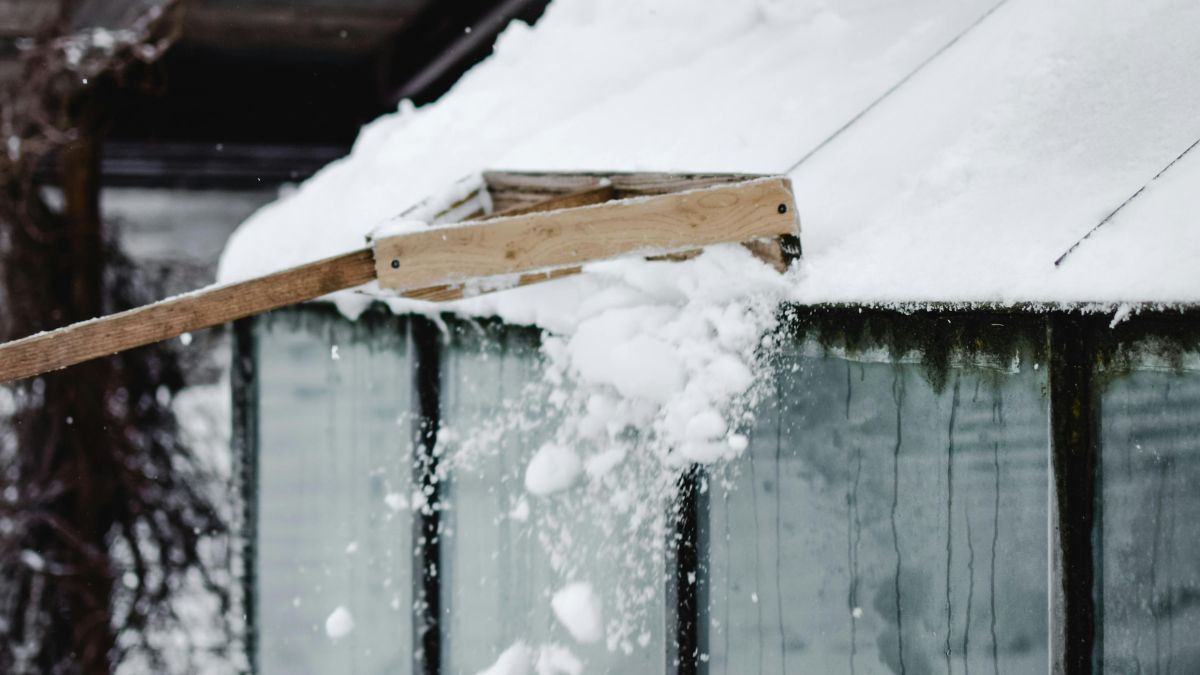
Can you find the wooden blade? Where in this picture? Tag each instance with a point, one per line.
(540, 242)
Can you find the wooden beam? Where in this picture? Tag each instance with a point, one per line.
(84, 341)
(540, 242)
(599, 194)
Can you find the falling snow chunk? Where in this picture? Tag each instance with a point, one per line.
(558, 660)
(339, 623)
(553, 468)
(395, 501)
(520, 512)
(706, 426)
(579, 610)
(516, 660)
(599, 465)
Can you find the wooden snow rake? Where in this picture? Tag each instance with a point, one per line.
(512, 229)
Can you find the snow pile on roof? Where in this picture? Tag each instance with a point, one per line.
(965, 183)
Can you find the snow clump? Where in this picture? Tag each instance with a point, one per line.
(339, 623)
(579, 610)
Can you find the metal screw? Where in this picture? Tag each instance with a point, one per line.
(782, 209)
(395, 264)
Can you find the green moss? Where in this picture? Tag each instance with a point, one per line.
(939, 339)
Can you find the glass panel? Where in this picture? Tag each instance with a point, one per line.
(498, 576)
(334, 481)
(880, 524)
(1150, 438)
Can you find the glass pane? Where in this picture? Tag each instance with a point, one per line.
(1150, 438)
(878, 524)
(334, 482)
(497, 574)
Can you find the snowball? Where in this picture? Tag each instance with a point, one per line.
(516, 660)
(395, 501)
(578, 609)
(552, 469)
(339, 623)
(520, 511)
(706, 426)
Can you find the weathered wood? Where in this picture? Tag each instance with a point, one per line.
(145, 325)
(448, 292)
(509, 189)
(602, 192)
(543, 241)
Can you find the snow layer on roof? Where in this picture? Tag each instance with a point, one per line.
(964, 183)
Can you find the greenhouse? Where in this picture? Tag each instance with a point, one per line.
(722, 337)
(896, 504)
(963, 426)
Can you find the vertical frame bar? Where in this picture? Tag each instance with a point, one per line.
(687, 577)
(425, 346)
(244, 444)
(1076, 524)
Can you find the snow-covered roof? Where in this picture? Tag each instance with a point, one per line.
(939, 151)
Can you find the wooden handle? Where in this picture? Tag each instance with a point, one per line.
(87, 340)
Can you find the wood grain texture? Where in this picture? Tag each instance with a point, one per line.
(600, 192)
(448, 292)
(170, 318)
(544, 241)
(509, 189)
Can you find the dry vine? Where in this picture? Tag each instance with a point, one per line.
(105, 515)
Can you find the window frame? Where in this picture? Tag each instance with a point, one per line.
(1081, 348)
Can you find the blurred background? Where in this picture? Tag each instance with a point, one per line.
(135, 135)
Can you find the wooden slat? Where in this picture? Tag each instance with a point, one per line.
(543, 241)
(448, 292)
(145, 325)
(602, 192)
(599, 194)
(517, 188)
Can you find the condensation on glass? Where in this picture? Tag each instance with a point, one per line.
(880, 524)
(334, 489)
(1150, 542)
